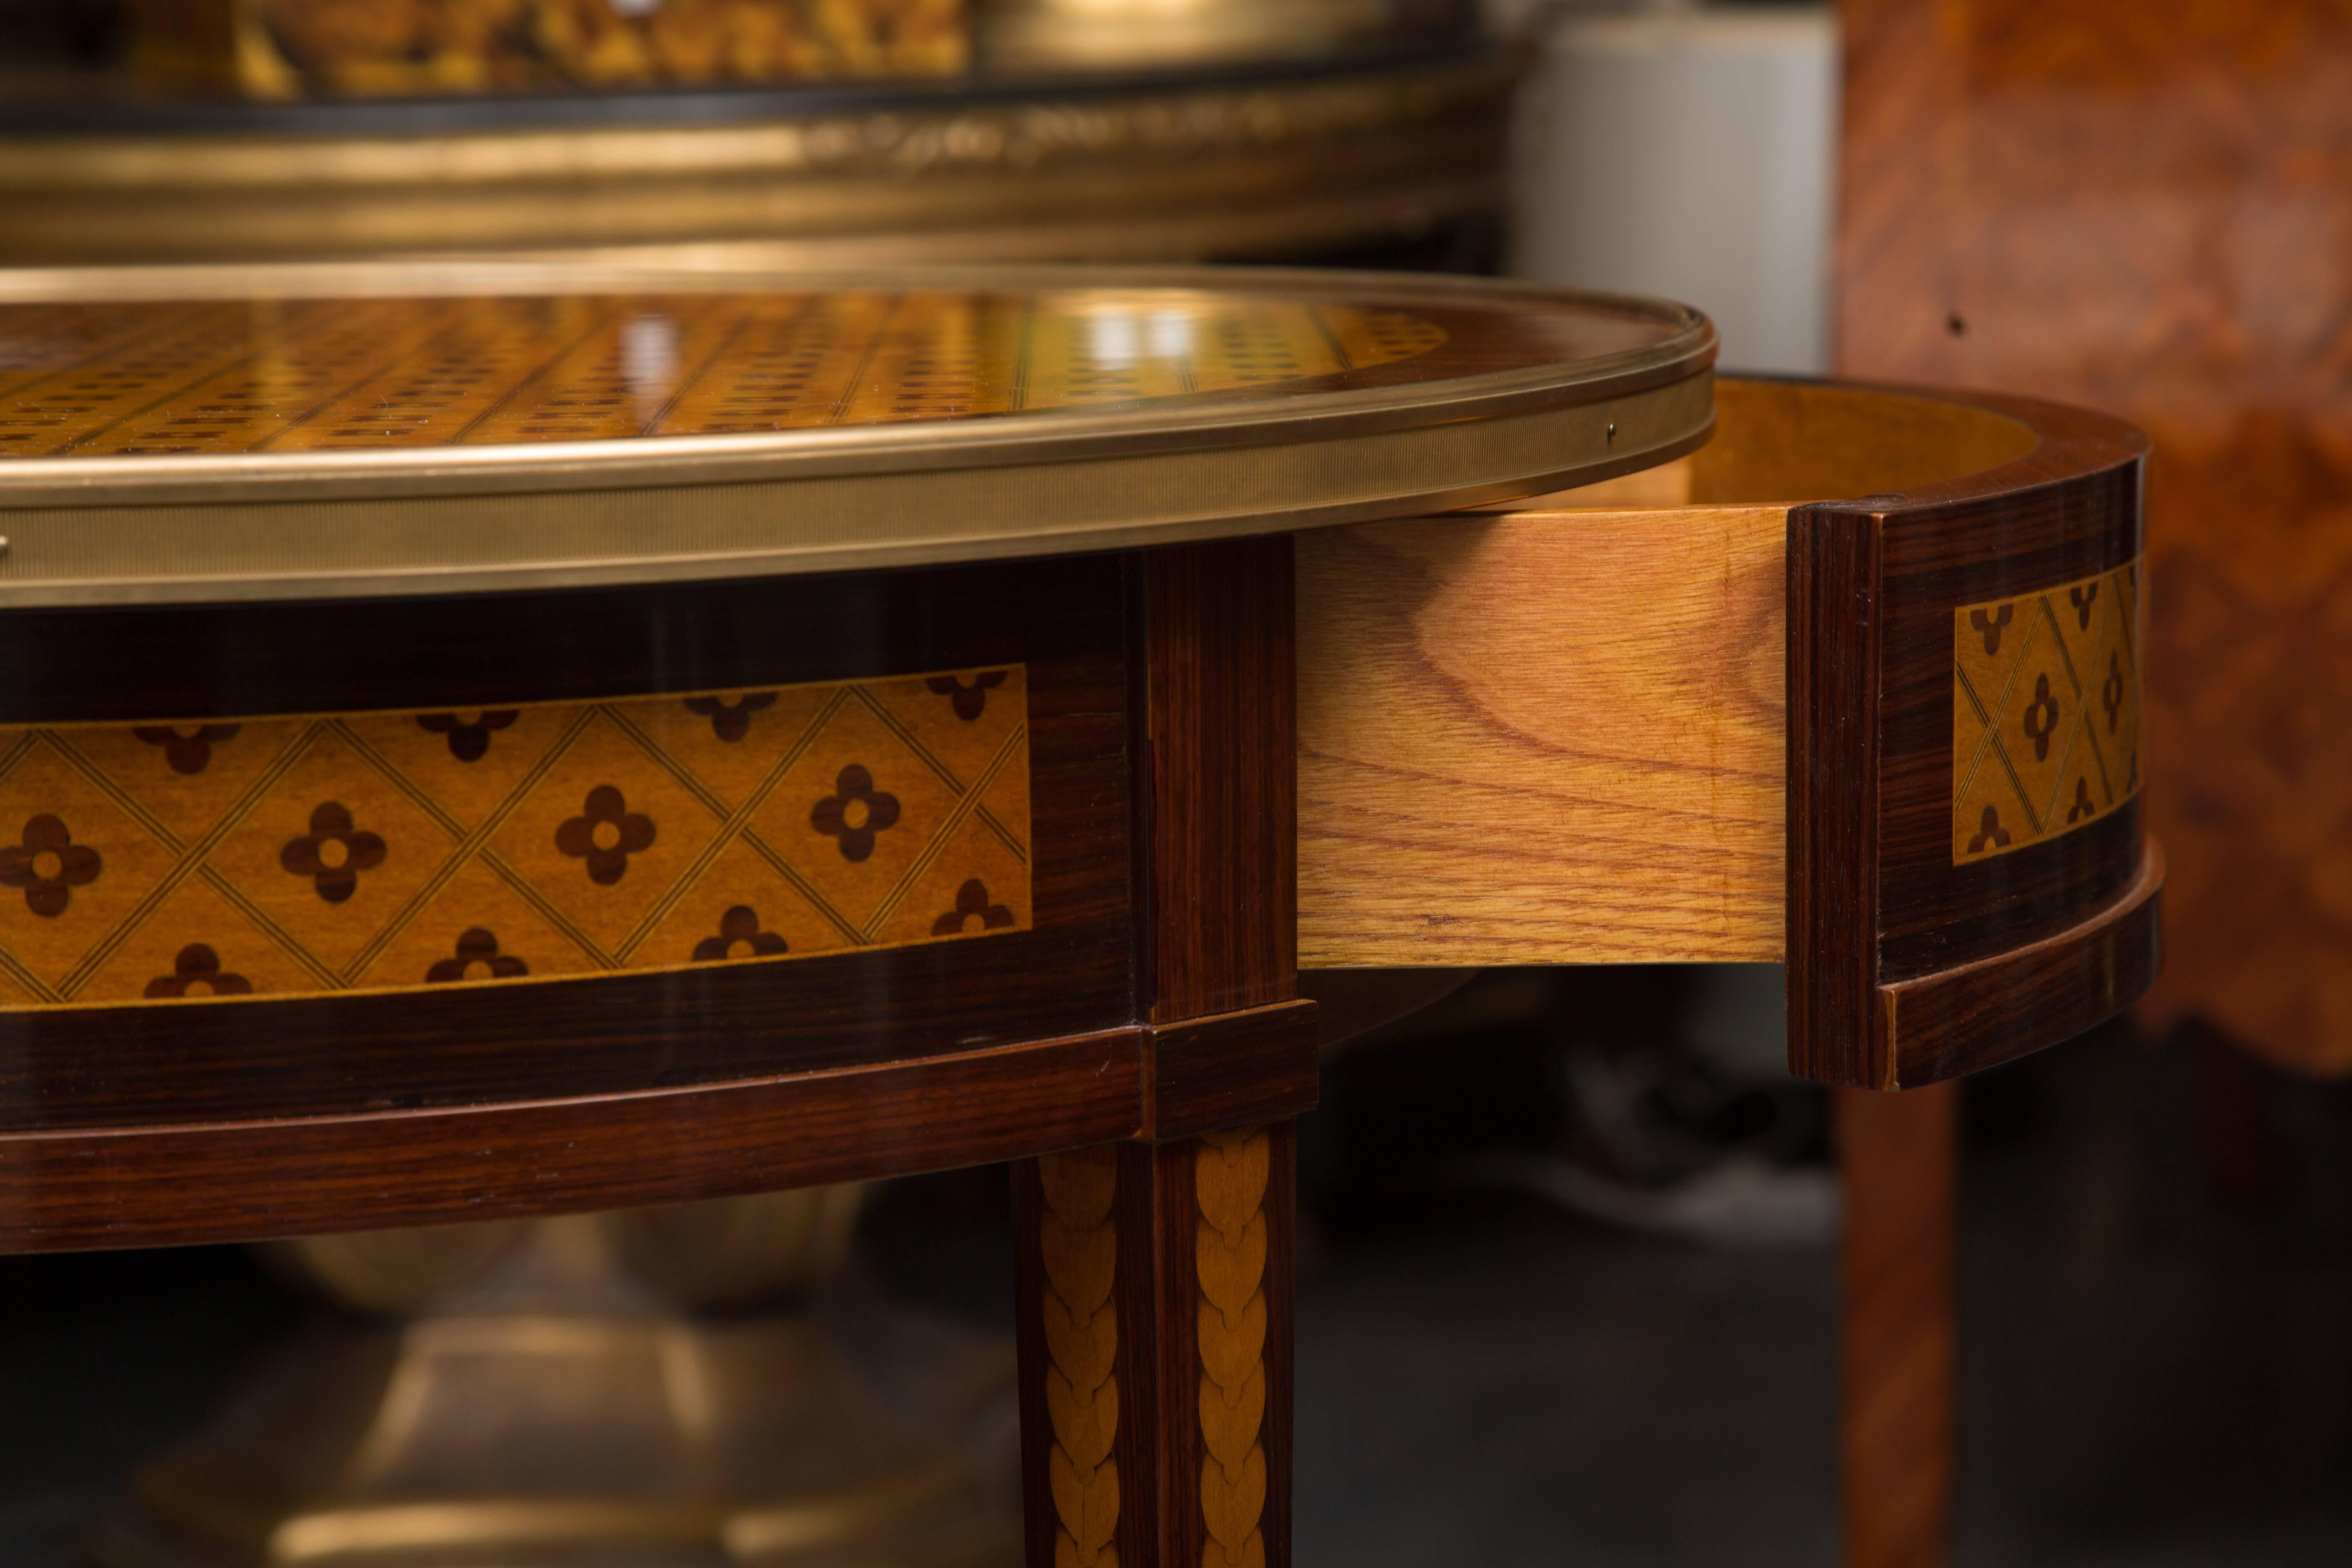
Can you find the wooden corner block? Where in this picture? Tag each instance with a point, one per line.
(1970, 878)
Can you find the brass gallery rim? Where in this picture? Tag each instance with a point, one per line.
(339, 429)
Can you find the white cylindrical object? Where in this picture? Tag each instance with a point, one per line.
(1689, 153)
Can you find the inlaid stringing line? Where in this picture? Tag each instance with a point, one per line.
(732, 823)
(449, 328)
(855, 380)
(1026, 339)
(193, 857)
(962, 808)
(26, 978)
(469, 844)
(611, 313)
(694, 378)
(200, 377)
(803, 886)
(2016, 674)
(946, 774)
(1984, 742)
(2065, 660)
(1322, 319)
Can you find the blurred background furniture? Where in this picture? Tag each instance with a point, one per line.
(2139, 207)
(2143, 207)
(1378, 142)
(1689, 150)
(573, 1390)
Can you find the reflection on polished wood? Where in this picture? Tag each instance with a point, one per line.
(346, 430)
(152, 377)
(2143, 208)
(1099, 35)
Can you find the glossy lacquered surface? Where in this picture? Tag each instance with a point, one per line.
(216, 434)
(275, 1051)
(361, 371)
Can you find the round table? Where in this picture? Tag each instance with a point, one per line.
(496, 741)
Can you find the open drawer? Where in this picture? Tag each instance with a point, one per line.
(1856, 686)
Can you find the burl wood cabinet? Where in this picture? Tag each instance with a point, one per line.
(2142, 208)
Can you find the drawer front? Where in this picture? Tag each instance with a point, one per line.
(1701, 714)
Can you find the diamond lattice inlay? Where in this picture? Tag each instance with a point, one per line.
(84, 380)
(278, 856)
(2046, 713)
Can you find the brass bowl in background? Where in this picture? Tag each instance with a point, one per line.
(1296, 160)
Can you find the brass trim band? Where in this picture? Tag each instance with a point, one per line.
(434, 544)
(234, 526)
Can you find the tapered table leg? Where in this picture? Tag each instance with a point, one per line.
(1154, 1287)
(1899, 1156)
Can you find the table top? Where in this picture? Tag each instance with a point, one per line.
(239, 433)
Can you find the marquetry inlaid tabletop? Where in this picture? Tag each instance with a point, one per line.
(172, 433)
(154, 377)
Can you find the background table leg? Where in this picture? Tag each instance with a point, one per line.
(1155, 1332)
(1899, 1155)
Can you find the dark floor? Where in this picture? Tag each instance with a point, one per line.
(2149, 1379)
(1517, 1390)
(2153, 1376)
(105, 1358)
